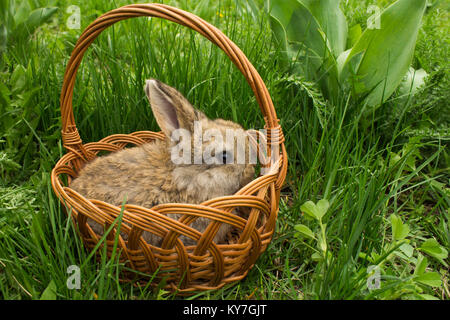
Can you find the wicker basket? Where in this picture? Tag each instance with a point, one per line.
(186, 269)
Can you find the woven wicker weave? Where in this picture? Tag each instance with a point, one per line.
(186, 269)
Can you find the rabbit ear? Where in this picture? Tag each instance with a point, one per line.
(172, 111)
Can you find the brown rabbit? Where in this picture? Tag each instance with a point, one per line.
(154, 173)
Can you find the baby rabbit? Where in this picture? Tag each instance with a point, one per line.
(153, 173)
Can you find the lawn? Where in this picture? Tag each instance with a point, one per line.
(380, 174)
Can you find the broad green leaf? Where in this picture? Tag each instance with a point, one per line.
(432, 279)
(340, 61)
(322, 206)
(331, 21)
(304, 230)
(388, 51)
(421, 265)
(252, 7)
(407, 250)
(434, 249)
(280, 35)
(50, 292)
(354, 33)
(39, 16)
(352, 64)
(35, 19)
(302, 32)
(18, 79)
(310, 209)
(399, 230)
(315, 211)
(22, 12)
(313, 34)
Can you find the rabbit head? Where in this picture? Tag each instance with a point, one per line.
(210, 158)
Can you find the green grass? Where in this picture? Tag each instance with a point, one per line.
(393, 161)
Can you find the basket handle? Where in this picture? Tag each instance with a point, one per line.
(71, 138)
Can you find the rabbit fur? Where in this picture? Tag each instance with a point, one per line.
(147, 176)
